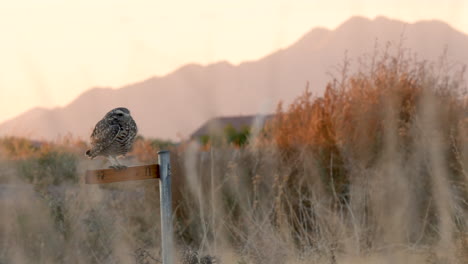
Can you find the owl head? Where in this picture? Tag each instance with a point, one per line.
(120, 114)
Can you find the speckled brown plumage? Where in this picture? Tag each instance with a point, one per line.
(113, 136)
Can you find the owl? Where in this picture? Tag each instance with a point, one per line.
(113, 136)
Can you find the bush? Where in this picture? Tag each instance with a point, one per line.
(397, 129)
(237, 138)
(52, 167)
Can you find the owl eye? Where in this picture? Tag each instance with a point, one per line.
(120, 114)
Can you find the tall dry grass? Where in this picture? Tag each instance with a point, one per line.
(372, 171)
(375, 166)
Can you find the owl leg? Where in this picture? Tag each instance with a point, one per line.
(112, 162)
(115, 163)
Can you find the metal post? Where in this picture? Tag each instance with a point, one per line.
(166, 206)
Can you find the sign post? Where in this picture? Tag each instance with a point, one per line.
(166, 206)
(153, 171)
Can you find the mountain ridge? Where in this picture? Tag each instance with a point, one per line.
(180, 101)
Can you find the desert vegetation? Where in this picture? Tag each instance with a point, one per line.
(373, 170)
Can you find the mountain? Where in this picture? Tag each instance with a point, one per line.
(178, 103)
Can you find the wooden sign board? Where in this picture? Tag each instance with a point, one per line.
(128, 174)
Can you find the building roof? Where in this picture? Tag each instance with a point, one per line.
(216, 125)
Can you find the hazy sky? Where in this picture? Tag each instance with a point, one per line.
(53, 50)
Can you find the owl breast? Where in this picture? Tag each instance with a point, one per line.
(123, 141)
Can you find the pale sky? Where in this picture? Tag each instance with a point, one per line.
(53, 50)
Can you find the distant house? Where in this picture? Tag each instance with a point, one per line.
(216, 126)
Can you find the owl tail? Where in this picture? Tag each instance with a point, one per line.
(89, 154)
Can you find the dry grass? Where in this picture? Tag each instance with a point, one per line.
(372, 171)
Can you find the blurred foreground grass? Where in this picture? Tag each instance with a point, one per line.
(373, 171)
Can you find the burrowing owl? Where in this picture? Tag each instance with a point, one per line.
(113, 136)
